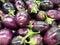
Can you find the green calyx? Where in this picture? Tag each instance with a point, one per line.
(3, 1)
(38, 3)
(30, 26)
(49, 20)
(30, 33)
(21, 9)
(34, 9)
(11, 12)
(32, 41)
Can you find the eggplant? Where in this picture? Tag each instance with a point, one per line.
(54, 14)
(39, 26)
(46, 5)
(16, 40)
(19, 5)
(22, 18)
(52, 37)
(55, 1)
(23, 31)
(40, 15)
(7, 6)
(5, 36)
(9, 21)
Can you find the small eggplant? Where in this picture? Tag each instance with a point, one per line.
(8, 6)
(39, 26)
(46, 5)
(9, 21)
(40, 15)
(19, 5)
(54, 14)
(22, 18)
(23, 31)
(16, 40)
(5, 36)
(55, 1)
(52, 37)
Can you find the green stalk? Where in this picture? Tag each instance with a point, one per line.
(11, 12)
(30, 33)
(3, 1)
(48, 20)
(34, 9)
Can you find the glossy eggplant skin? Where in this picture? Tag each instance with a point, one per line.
(51, 13)
(9, 21)
(5, 36)
(0, 26)
(23, 31)
(16, 40)
(40, 26)
(54, 14)
(55, 1)
(37, 40)
(46, 5)
(8, 6)
(40, 15)
(22, 18)
(19, 5)
(52, 37)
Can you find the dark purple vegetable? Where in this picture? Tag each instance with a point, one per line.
(9, 21)
(22, 18)
(55, 1)
(39, 26)
(19, 5)
(52, 37)
(36, 40)
(5, 36)
(58, 9)
(0, 26)
(46, 5)
(54, 14)
(23, 31)
(8, 6)
(40, 15)
(33, 6)
(16, 40)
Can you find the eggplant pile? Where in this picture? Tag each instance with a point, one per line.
(29, 22)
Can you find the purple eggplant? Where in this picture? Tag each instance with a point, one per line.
(58, 9)
(19, 5)
(54, 14)
(46, 5)
(39, 26)
(40, 15)
(0, 26)
(22, 18)
(52, 37)
(9, 21)
(16, 40)
(8, 6)
(36, 40)
(5, 36)
(23, 31)
(55, 1)
(32, 6)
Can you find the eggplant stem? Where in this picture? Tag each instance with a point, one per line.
(30, 33)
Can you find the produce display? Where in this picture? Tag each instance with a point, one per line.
(29, 22)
